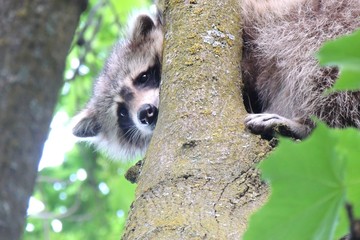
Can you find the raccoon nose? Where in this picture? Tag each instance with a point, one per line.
(147, 114)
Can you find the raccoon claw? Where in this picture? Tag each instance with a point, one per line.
(268, 125)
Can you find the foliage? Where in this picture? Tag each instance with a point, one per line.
(344, 53)
(312, 180)
(88, 194)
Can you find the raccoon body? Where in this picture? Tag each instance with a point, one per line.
(280, 72)
(282, 78)
(121, 115)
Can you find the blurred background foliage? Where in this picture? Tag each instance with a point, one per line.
(80, 194)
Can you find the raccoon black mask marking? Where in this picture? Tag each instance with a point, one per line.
(122, 113)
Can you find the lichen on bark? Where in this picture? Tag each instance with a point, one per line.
(198, 180)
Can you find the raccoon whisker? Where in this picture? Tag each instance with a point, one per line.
(136, 136)
(129, 133)
(139, 136)
(133, 134)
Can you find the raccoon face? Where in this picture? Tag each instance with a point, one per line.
(122, 113)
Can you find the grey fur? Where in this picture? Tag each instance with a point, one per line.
(282, 76)
(100, 122)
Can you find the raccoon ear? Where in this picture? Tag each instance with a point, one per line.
(142, 26)
(87, 125)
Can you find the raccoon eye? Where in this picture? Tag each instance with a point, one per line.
(122, 111)
(144, 77)
(149, 78)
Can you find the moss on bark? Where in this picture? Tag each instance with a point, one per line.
(198, 180)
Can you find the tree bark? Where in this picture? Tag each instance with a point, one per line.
(34, 40)
(198, 180)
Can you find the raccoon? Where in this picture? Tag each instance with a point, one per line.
(282, 77)
(122, 112)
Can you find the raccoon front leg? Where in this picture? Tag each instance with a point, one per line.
(269, 124)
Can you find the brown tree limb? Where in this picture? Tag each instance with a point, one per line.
(34, 40)
(198, 180)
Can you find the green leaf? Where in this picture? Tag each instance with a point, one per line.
(307, 190)
(349, 149)
(345, 53)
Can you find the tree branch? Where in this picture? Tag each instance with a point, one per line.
(198, 179)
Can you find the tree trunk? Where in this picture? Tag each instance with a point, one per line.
(198, 180)
(34, 40)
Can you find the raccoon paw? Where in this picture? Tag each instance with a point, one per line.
(133, 173)
(268, 125)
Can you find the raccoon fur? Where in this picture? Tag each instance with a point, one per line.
(120, 117)
(282, 77)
